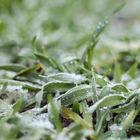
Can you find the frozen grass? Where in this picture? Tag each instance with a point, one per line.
(61, 77)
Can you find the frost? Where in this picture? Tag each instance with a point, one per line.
(118, 133)
(5, 109)
(14, 88)
(38, 121)
(126, 77)
(115, 128)
(132, 85)
(41, 121)
(77, 78)
(69, 59)
(68, 77)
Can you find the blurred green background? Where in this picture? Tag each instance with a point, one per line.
(65, 26)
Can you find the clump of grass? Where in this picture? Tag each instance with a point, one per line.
(43, 96)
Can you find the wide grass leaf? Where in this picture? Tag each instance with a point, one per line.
(25, 85)
(120, 88)
(76, 94)
(57, 86)
(12, 67)
(107, 101)
(54, 113)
